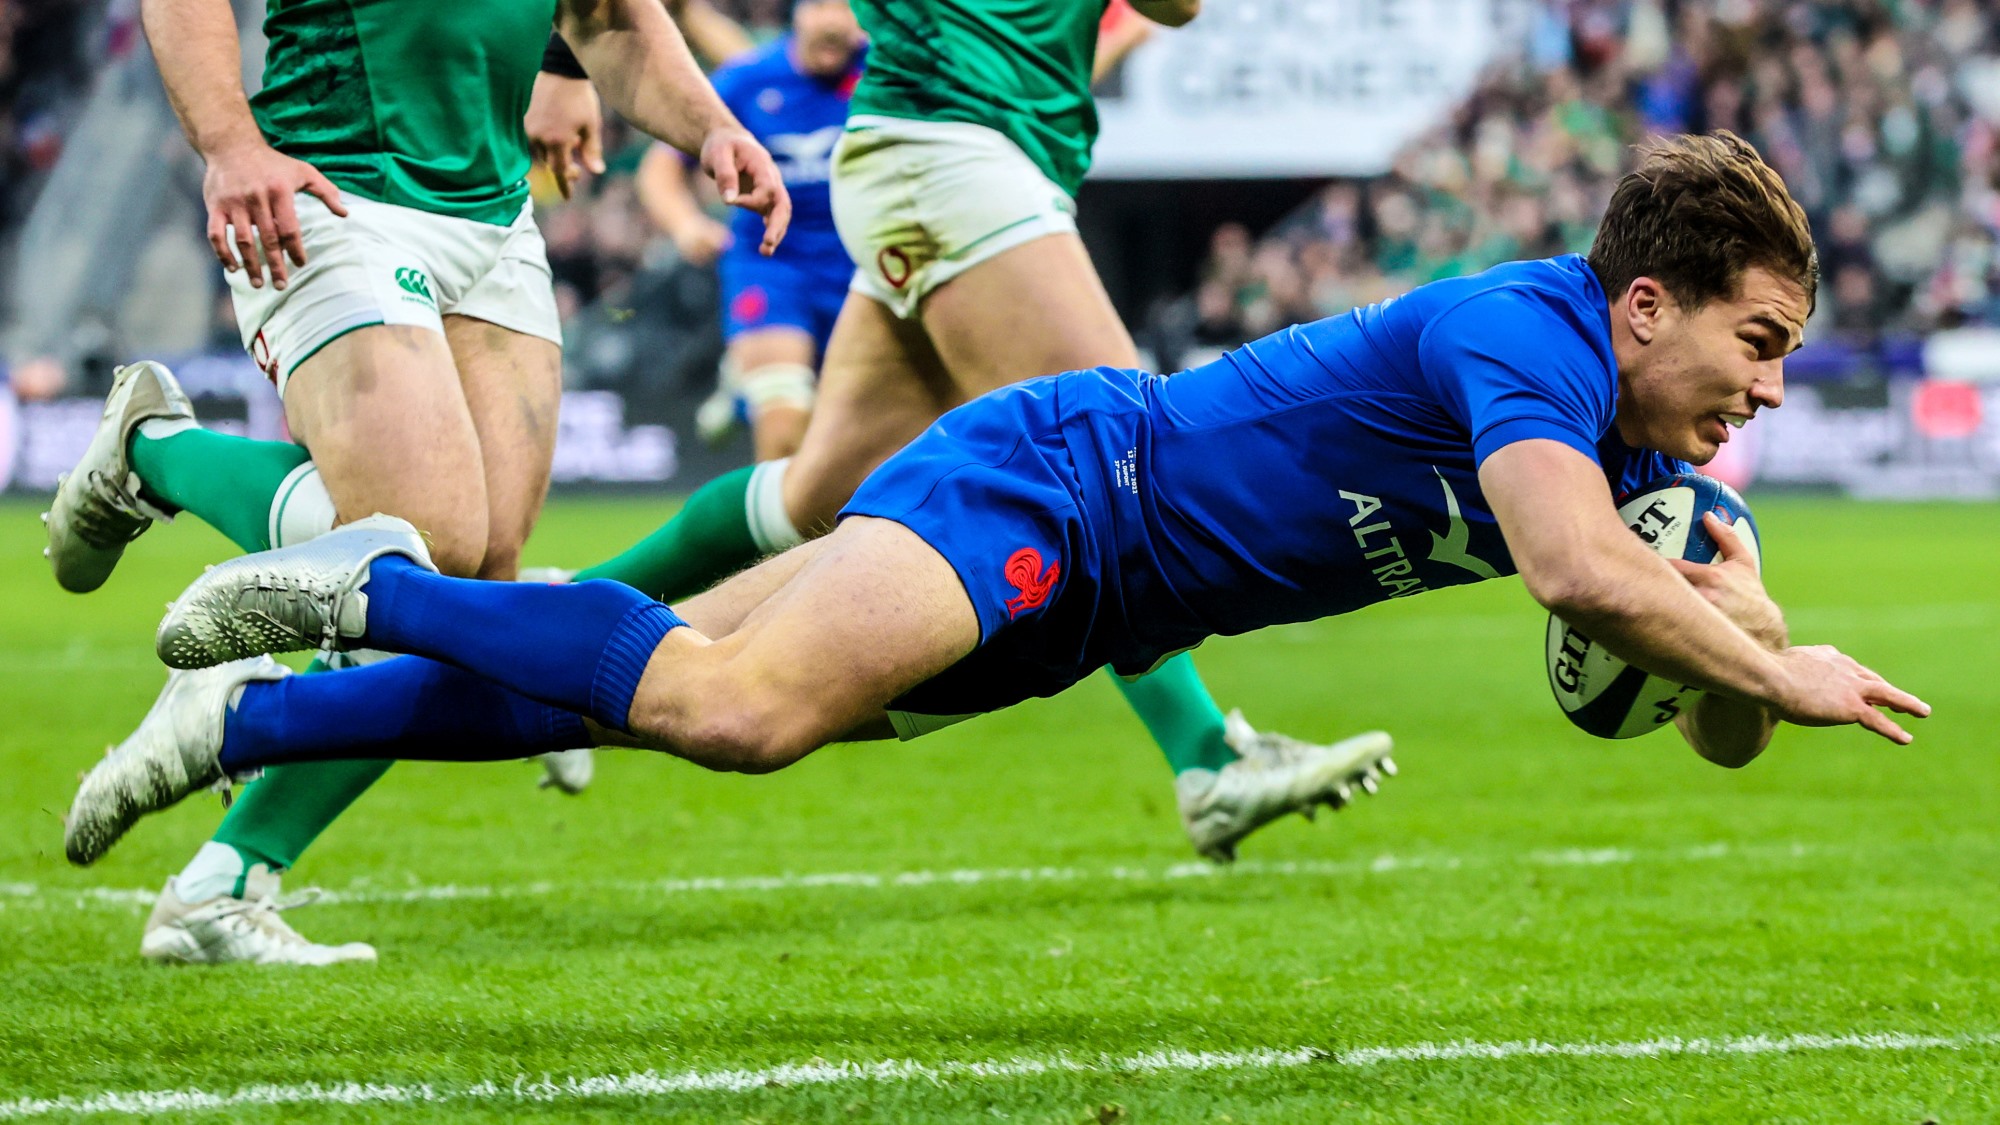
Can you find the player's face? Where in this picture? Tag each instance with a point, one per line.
(827, 36)
(1707, 370)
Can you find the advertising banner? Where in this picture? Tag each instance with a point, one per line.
(1264, 88)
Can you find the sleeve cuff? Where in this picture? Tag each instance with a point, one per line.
(1494, 437)
(559, 60)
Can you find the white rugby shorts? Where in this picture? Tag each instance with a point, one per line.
(385, 264)
(919, 202)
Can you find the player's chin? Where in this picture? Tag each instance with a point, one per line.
(1694, 449)
(1700, 444)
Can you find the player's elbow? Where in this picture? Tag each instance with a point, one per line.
(1724, 732)
(1728, 760)
(1572, 593)
(1730, 755)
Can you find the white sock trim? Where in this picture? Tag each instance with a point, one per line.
(777, 384)
(764, 503)
(302, 509)
(216, 869)
(154, 429)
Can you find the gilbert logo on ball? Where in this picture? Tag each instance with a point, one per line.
(1599, 692)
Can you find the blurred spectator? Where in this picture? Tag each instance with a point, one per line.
(45, 65)
(1883, 116)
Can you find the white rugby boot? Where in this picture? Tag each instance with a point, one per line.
(98, 509)
(716, 419)
(569, 771)
(1275, 775)
(173, 752)
(287, 600)
(227, 930)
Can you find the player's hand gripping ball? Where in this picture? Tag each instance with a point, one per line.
(1601, 693)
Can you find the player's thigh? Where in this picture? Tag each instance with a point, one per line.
(1034, 309)
(721, 609)
(874, 601)
(382, 410)
(777, 431)
(513, 389)
(880, 385)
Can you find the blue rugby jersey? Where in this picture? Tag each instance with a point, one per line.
(798, 117)
(1333, 465)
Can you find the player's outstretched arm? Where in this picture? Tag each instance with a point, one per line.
(642, 66)
(1581, 562)
(248, 186)
(714, 36)
(664, 191)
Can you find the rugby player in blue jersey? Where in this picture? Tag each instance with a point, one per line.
(1471, 428)
(778, 310)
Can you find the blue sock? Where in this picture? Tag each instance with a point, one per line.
(581, 647)
(403, 708)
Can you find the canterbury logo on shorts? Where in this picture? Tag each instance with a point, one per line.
(1025, 573)
(896, 266)
(412, 280)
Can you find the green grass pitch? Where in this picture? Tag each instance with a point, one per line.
(1527, 926)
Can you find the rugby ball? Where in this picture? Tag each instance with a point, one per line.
(1599, 692)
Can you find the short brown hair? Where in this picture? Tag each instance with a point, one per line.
(1695, 214)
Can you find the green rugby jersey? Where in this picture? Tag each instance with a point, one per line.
(412, 102)
(1021, 67)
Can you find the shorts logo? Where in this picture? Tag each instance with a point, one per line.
(260, 354)
(1025, 573)
(895, 264)
(412, 280)
(750, 306)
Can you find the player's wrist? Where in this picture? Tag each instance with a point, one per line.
(1790, 688)
(232, 146)
(1773, 635)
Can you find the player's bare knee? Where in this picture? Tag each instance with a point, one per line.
(728, 731)
(743, 737)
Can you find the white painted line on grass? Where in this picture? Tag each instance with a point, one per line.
(651, 1084)
(31, 896)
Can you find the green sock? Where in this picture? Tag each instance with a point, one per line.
(1182, 717)
(279, 815)
(707, 540)
(228, 481)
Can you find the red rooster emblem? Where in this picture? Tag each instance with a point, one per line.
(1025, 573)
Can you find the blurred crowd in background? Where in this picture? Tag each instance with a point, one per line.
(1883, 116)
(48, 50)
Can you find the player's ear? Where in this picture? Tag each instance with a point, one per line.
(1646, 301)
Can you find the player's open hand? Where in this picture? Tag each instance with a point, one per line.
(1825, 687)
(249, 193)
(1731, 584)
(565, 126)
(748, 178)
